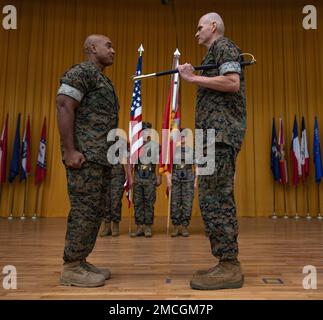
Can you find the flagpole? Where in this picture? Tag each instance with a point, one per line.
(0, 194)
(308, 217)
(34, 217)
(130, 191)
(319, 217)
(169, 208)
(274, 216)
(285, 206)
(172, 108)
(10, 217)
(23, 217)
(296, 215)
(129, 209)
(130, 219)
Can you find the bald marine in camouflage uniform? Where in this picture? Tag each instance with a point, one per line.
(87, 109)
(144, 192)
(220, 106)
(182, 189)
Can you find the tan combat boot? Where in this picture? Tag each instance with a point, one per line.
(226, 275)
(175, 231)
(115, 229)
(139, 232)
(197, 273)
(204, 271)
(106, 231)
(74, 274)
(92, 268)
(148, 233)
(185, 232)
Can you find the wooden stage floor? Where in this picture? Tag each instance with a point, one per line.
(161, 267)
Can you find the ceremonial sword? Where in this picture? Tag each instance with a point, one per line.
(203, 67)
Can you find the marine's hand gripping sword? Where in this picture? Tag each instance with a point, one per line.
(205, 67)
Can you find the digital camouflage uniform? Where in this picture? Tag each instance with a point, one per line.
(114, 195)
(96, 115)
(144, 191)
(182, 188)
(226, 113)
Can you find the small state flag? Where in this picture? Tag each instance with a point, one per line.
(295, 155)
(3, 152)
(274, 155)
(317, 154)
(305, 158)
(282, 159)
(25, 153)
(15, 159)
(41, 159)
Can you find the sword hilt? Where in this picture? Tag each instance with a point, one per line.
(197, 68)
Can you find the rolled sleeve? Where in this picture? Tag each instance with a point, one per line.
(76, 82)
(232, 66)
(70, 91)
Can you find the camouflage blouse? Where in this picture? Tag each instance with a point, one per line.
(222, 111)
(98, 110)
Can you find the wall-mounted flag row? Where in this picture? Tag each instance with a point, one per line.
(299, 154)
(21, 153)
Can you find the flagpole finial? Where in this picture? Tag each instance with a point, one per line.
(177, 53)
(141, 49)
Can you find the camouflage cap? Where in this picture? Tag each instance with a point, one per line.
(146, 125)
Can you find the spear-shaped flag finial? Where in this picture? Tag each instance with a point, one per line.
(141, 50)
(177, 53)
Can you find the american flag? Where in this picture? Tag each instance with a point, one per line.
(135, 124)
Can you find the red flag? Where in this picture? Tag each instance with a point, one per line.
(41, 160)
(165, 156)
(282, 160)
(3, 151)
(171, 121)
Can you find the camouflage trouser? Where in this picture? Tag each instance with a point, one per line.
(114, 194)
(217, 204)
(87, 189)
(182, 202)
(144, 197)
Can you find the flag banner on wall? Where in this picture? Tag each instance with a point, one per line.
(25, 153)
(305, 158)
(295, 155)
(317, 154)
(3, 151)
(41, 159)
(274, 155)
(15, 159)
(282, 159)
